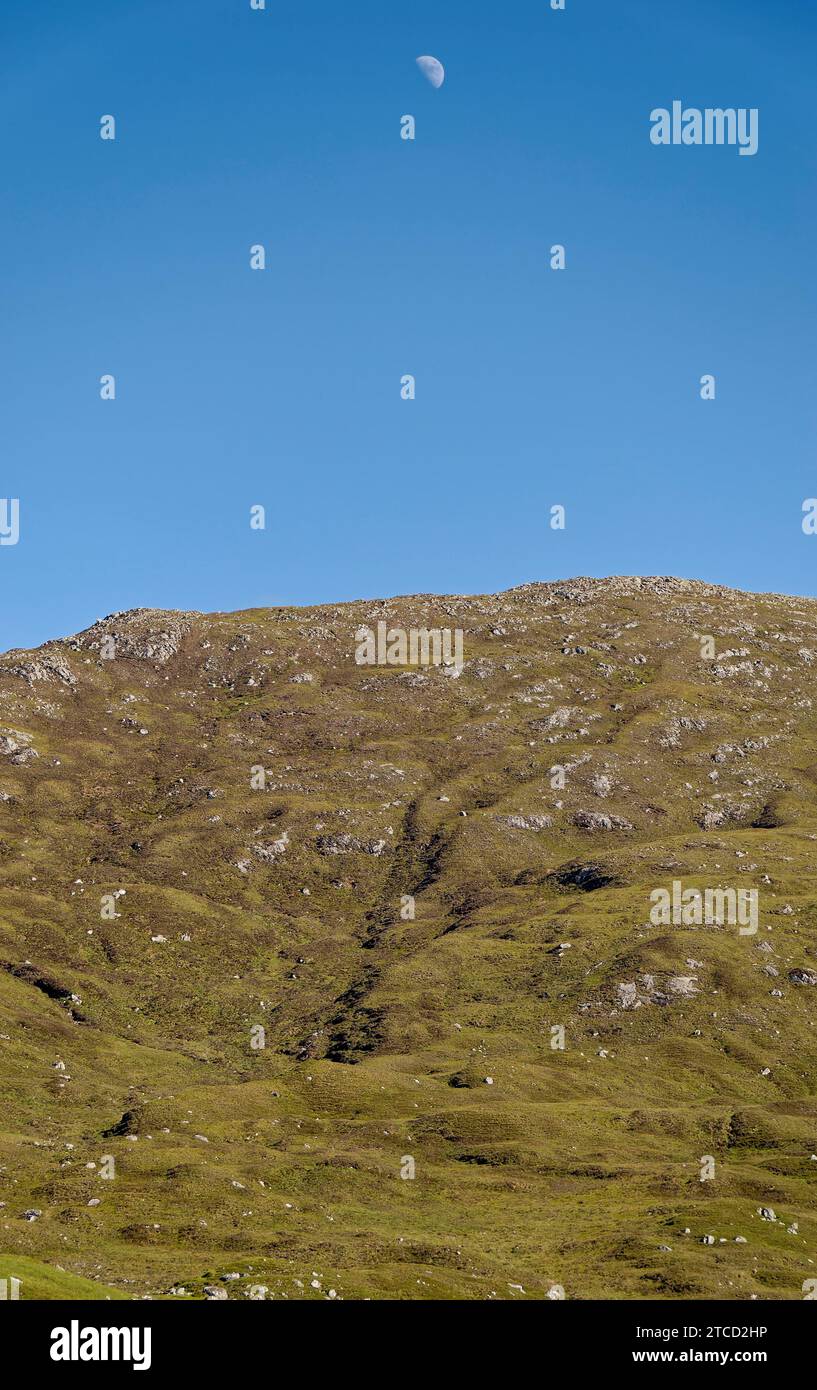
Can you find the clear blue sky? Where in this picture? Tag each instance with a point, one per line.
(387, 257)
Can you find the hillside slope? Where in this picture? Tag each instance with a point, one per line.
(411, 880)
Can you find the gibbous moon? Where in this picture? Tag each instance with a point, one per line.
(432, 69)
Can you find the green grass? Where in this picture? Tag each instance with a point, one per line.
(43, 1281)
(572, 1168)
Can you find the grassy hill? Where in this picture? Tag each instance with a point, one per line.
(411, 880)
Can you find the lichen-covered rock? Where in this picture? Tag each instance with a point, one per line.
(595, 820)
(17, 748)
(803, 977)
(139, 634)
(526, 822)
(345, 843)
(46, 667)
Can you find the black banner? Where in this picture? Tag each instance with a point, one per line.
(639, 1339)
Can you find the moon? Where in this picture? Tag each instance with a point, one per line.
(433, 69)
